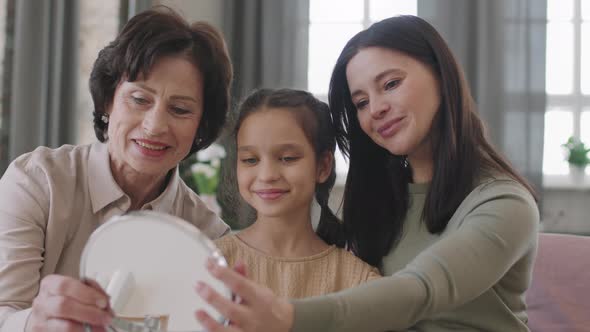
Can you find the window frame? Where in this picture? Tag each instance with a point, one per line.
(577, 102)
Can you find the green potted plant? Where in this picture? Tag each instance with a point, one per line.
(577, 152)
(576, 156)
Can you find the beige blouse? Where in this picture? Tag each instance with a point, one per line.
(332, 270)
(50, 202)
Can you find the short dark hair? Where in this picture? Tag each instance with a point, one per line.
(313, 117)
(376, 192)
(149, 36)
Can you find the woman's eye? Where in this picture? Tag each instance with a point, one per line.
(391, 84)
(139, 100)
(180, 111)
(361, 104)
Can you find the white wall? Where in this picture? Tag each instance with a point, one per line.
(566, 211)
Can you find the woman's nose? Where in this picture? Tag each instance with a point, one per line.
(155, 121)
(378, 107)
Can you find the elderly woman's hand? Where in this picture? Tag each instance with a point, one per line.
(259, 310)
(65, 304)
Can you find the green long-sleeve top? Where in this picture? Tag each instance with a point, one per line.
(472, 277)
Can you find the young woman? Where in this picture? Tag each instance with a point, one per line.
(451, 224)
(285, 158)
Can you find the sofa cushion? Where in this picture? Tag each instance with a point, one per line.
(559, 296)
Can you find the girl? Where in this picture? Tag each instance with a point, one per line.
(285, 156)
(428, 198)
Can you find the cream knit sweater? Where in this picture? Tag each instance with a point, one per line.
(332, 270)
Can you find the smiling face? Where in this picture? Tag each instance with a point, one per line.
(397, 98)
(153, 121)
(277, 168)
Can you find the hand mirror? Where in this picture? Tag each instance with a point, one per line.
(148, 263)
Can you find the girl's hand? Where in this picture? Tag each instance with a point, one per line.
(259, 309)
(65, 304)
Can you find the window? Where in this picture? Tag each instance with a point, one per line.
(99, 25)
(332, 24)
(567, 80)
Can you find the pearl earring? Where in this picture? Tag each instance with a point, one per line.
(105, 118)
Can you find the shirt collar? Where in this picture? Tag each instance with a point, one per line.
(104, 190)
(165, 201)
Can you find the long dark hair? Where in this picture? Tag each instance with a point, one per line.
(376, 193)
(313, 116)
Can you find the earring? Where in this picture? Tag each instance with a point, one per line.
(198, 141)
(105, 118)
(405, 162)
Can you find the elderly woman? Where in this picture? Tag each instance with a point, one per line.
(161, 92)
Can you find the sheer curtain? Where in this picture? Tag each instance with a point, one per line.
(501, 46)
(43, 100)
(268, 43)
(133, 8)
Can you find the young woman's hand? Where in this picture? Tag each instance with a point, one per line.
(65, 304)
(259, 309)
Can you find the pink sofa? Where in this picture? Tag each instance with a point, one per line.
(559, 297)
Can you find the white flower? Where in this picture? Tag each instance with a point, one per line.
(214, 151)
(204, 169)
(216, 163)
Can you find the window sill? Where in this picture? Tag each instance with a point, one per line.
(567, 182)
(551, 182)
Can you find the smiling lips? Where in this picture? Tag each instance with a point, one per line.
(151, 148)
(270, 194)
(390, 128)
